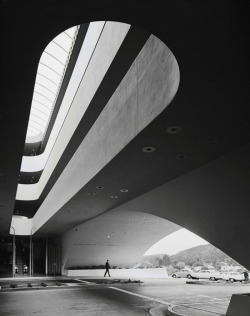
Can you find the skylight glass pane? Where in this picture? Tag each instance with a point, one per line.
(44, 91)
(32, 130)
(70, 32)
(39, 107)
(42, 100)
(36, 125)
(47, 82)
(50, 73)
(41, 121)
(53, 63)
(58, 51)
(39, 114)
(64, 41)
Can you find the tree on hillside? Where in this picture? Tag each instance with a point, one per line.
(166, 260)
(197, 264)
(180, 265)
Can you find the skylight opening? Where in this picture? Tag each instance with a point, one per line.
(50, 73)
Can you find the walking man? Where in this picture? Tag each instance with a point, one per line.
(107, 268)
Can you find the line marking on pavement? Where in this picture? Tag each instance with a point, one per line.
(171, 308)
(142, 296)
(86, 282)
(213, 298)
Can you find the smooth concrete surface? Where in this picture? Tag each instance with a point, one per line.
(239, 305)
(88, 297)
(124, 116)
(121, 273)
(206, 202)
(121, 237)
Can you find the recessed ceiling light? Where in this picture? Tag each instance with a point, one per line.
(91, 194)
(174, 129)
(148, 149)
(100, 187)
(124, 190)
(181, 156)
(113, 196)
(211, 139)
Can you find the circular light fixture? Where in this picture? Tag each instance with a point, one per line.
(148, 149)
(124, 190)
(91, 194)
(113, 196)
(181, 156)
(211, 139)
(174, 129)
(100, 187)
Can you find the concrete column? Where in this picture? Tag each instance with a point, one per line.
(13, 254)
(32, 258)
(30, 265)
(46, 257)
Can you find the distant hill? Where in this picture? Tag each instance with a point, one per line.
(204, 254)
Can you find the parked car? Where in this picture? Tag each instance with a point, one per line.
(183, 273)
(232, 276)
(207, 274)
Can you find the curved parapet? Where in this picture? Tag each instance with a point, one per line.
(147, 88)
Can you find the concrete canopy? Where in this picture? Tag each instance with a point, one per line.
(196, 178)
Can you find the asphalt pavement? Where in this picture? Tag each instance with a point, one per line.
(67, 296)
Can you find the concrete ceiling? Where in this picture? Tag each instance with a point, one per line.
(208, 40)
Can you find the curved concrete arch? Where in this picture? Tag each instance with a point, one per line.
(121, 237)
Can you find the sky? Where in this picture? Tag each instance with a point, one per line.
(175, 242)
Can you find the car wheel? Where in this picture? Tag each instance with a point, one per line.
(231, 280)
(189, 276)
(174, 276)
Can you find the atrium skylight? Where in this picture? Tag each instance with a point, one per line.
(50, 73)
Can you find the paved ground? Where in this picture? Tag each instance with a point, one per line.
(154, 296)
